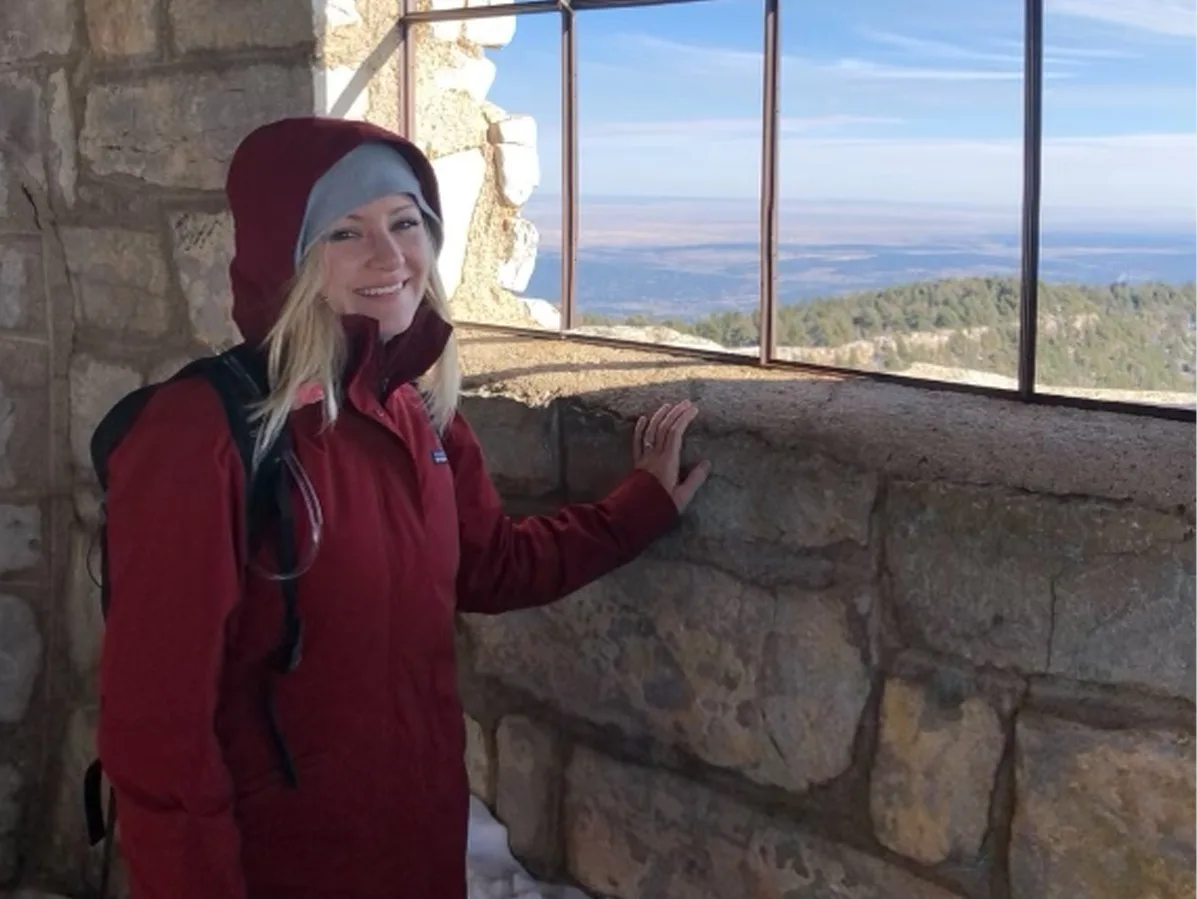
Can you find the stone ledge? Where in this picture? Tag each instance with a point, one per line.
(896, 430)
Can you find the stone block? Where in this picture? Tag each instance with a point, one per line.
(529, 789)
(519, 172)
(85, 622)
(64, 143)
(937, 757)
(692, 658)
(460, 176)
(494, 31)
(20, 538)
(120, 279)
(638, 833)
(203, 248)
(1102, 814)
(341, 91)
(24, 414)
(977, 571)
(22, 287)
(1128, 619)
(33, 28)
(21, 651)
(237, 24)
(516, 270)
(21, 122)
(120, 28)
(11, 784)
(519, 441)
(516, 129)
(478, 762)
(95, 388)
(336, 14)
(180, 130)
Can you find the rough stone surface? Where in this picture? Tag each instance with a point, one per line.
(122, 27)
(1101, 814)
(516, 129)
(979, 572)
(95, 388)
(478, 762)
(929, 738)
(20, 537)
(906, 433)
(21, 134)
(24, 414)
(633, 833)
(33, 28)
(203, 248)
(20, 657)
(337, 13)
(181, 130)
(516, 271)
(11, 783)
(1128, 618)
(234, 24)
(695, 659)
(63, 151)
(460, 176)
(496, 31)
(22, 297)
(520, 443)
(85, 623)
(816, 503)
(519, 172)
(338, 95)
(120, 280)
(529, 788)
(472, 75)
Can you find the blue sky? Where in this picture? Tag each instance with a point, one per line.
(882, 102)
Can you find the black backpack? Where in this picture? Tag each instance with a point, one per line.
(239, 377)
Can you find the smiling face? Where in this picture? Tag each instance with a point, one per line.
(377, 261)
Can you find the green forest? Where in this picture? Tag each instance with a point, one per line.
(1120, 336)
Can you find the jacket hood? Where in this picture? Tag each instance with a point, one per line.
(269, 179)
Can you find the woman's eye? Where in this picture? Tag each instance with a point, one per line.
(404, 224)
(340, 235)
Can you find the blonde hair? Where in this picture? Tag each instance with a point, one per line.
(307, 345)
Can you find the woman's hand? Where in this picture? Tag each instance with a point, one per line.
(657, 448)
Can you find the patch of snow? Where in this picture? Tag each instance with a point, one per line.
(492, 871)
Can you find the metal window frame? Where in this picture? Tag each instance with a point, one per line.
(1025, 392)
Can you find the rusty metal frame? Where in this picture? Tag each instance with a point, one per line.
(1025, 392)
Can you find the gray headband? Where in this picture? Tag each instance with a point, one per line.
(362, 175)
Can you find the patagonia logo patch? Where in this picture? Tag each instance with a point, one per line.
(439, 456)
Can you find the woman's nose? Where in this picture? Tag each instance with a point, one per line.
(386, 251)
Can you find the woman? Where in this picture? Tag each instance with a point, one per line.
(337, 226)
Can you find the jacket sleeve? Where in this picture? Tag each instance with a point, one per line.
(507, 564)
(173, 537)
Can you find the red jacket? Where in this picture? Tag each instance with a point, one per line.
(371, 715)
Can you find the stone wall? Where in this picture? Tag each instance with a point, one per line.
(906, 644)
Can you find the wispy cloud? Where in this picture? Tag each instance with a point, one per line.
(715, 60)
(658, 133)
(924, 47)
(865, 69)
(1168, 17)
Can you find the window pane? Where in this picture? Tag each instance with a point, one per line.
(488, 113)
(1116, 301)
(900, 178)
(669, 122)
